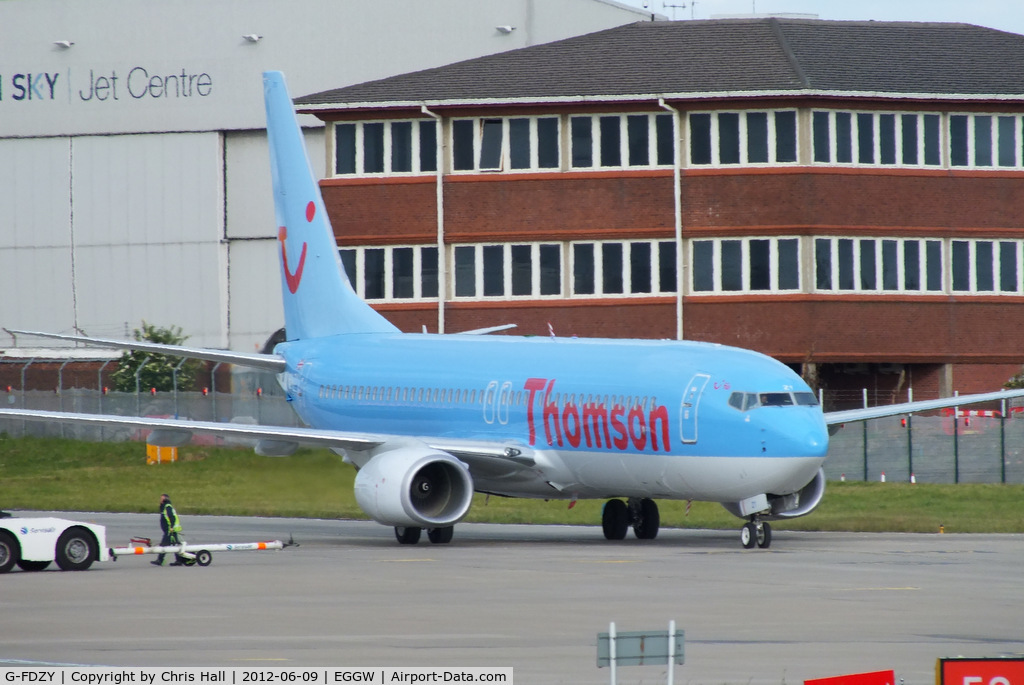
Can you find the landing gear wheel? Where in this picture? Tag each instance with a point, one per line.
(204, 558)
(408, 536)
(76, 549)
(646, 518)
(441, 536)
(26, 565)
(748, 535)
(615, 519)
(764, 536)
(8, 551)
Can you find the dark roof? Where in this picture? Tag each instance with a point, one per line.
(720, 56)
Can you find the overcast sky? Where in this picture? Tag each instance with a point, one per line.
(1006, 15)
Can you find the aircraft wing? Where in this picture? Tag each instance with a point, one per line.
(281, 440)
(274, 440)
(268, 362)
(851, 415)
(484, 453)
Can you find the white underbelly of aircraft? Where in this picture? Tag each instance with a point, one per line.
(712, 479)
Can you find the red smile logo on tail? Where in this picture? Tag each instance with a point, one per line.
(293, 279)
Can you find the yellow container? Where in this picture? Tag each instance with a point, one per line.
(159, 455)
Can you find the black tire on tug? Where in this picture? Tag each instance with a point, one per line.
(204, 557)
(76, 549)
(26, 565)
(9, 551)
(408, 536)
(441, 536)
(615, 519)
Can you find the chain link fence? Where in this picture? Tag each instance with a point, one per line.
(928, 449)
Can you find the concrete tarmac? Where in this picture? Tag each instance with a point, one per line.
(530, 597)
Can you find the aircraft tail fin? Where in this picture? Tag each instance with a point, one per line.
(318, 298)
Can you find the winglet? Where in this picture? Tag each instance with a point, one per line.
(318, 298)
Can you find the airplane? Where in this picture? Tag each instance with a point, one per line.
(430, 419)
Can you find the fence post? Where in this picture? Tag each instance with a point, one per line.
(174, 377)
(213, 384)
(1002, 442)
(910, 438)
(138, 389)
(60, 391)
(99, 389)
(864, 432)
(956, 443)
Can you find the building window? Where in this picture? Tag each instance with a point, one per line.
(392, 272)
(985, 140)
(505, 144)
(385, 147)
(744, 265)
(615, 141)
(727, 138)
(894, 265)
(529, 270)
(875, 138)
(632, 268)
(523, 270)
(987, 266)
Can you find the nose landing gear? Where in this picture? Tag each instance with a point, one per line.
(756, 532)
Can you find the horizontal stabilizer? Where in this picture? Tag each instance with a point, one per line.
(268, 362)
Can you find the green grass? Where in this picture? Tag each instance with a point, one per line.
(65, 475)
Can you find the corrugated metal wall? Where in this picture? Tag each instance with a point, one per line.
(108, 231)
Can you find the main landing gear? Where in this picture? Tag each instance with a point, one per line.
(642, 514)
(411, 535)
(756, 532)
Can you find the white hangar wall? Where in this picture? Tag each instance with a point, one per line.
(133, 165)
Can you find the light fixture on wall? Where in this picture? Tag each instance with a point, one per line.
(506, 29)
(252, 37)
(64, 43)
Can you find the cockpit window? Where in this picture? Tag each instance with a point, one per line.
(776, 399)
(806, 399)
(745, 401)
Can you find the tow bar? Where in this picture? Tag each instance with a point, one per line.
(194, 554)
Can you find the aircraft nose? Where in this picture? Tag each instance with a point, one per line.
(816, 441)
(803, 433)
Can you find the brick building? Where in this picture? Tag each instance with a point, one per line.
(847, 197)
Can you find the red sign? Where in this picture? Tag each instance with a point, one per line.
(875, 678)
(980, 672)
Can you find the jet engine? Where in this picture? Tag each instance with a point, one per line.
(789, 506)
(413, 486)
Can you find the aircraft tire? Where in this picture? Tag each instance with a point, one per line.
(441, 536)
(8, 551)
(764, 536)
(646, 528)
(408, 536)
(615, 519)
(26, 565)
(76, 549)
(748, 535)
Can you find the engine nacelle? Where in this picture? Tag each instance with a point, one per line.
(414, 487)
(791, 506)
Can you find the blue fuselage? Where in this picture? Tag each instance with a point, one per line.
(614, 415)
